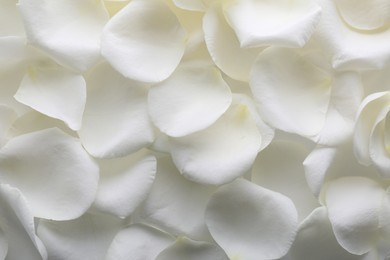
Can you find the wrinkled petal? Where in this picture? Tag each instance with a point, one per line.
(53, 171)
(116, 120)
(124, 183)
(167, 205)
(130, 37)
(138, 240)
(224, 47)
(185, 248)
(221, 152)
(87, 237)
(193, 98)
(69, 31)
(55, 92)
(286, 176)
(279, 23)
(17, 225)
(251, 222)
(292, 94)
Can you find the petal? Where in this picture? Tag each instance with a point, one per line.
(281, 23)
(192, 99)
(53, 171)
(167, 203)
(224, 47)
(124, 183)
(130, 37)
(3, 245)
(354, 205)
(221, 152)
(7, 118)
(286, 176)
(17, 224)
(292, 93)
(193, 5)
(69, 31)
(192, 250)
(138, 240)
(379, 146)
(251, 222)
(87, 237)
(10, 20)
(116, 120)
(55, 92)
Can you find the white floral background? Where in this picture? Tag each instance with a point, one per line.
(195, 129)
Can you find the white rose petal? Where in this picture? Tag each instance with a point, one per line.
(3, 245)
(129, 41)
(10, 19)
(250, 222)
(193, 5)
(53, 171)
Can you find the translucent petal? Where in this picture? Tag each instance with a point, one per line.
(129, 41)
(53, 171)
(251, 222)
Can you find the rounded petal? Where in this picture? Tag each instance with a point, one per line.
(278, 23)
(251, 222)
(167, 203)
(193, 5)
(193, 98)
(129, 41)
(293, 94)
(87, 237)
(379, 144)
(69, 31)
(221, 152)
(55, 92)
(124, 183)
(138, 240)
(116, 120)
(53, 171)
(224, 47)
(192, 250)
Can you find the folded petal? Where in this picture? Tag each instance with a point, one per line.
(115, 121)
(185, 248)
(138, 240)
(251, 222)
(124, 183)
(167, 203)
(18, 228)
(279, 23)
(87, 237)
(224, 47)
(192, 99)
(129, 41)
(53, 171)
(55, 92)
(221, 152)
(69, 31)
(292, 93)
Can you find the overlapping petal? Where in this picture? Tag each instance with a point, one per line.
(69, 31)
(251, 222)
(192, 99)
(116, 120)
(129, 41)
(53, 171)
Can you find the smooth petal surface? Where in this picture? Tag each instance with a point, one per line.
(69, 31)
(55, 92)
(193, 98)
(224, 47)
(7, 118)
(292, 93)
(251, 222)
(193, 5)
(116, 120)
(10, 19)
(17, 225)
(192, 250)
(221, 152)
(3, 245)
(167, 205)
(53, 171)
(138, 240)
(124, 183)
(87, 237)
(130, 37)
(281, 23)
